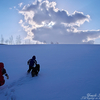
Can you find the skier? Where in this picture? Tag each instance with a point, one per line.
(33, 66)
(2, 72)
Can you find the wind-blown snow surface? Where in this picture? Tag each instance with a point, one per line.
(68, 72)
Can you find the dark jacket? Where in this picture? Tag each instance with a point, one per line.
(31, 62)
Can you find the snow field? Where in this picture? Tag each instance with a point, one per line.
(67, 72)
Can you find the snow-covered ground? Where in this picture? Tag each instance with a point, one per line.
(68, 72)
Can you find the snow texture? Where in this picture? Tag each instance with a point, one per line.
(67, 72)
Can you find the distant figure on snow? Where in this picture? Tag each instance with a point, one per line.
(34, 70)
(2, 72)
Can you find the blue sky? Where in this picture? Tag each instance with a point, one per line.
(78, 27)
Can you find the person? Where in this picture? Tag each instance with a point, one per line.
(2, 72)
(33, 66)
(31, 63)
(35, 70)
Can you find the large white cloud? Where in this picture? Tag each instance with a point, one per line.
(44, 22)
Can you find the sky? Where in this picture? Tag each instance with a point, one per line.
(46, 21)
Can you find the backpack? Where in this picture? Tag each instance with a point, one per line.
(31, 62)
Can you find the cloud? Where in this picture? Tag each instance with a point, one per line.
(20, 4)
(21, 21)
(44, 22)
(10, 8)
